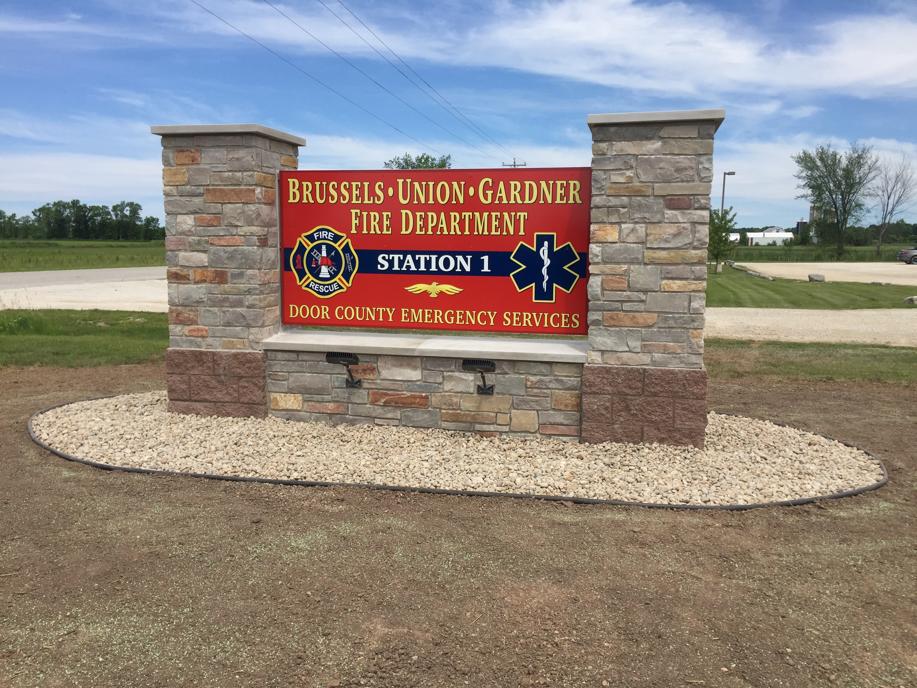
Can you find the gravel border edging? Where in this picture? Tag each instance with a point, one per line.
(458, 493)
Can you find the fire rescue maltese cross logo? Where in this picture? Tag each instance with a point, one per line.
(324, 262)
(545, 267)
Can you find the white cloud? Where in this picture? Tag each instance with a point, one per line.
(673, 48)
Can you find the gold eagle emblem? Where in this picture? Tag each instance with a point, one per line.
(433, 289)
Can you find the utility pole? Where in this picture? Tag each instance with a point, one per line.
(723, 195)
(514, 163)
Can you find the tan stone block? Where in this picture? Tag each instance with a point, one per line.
(385, 397)
(562, 430)
(289, 161)
(187, 156)
(174, 176)
(479, 402)
(265, 179)
(608, 269)
(523, 421)
(682, 189)
(233, 344)
(614, 283)
(502, 419)
(565, 401)
(675, 256)
(446, 401)
(663, 347)
(229, 194)
(621, 319)
(196, 331)
(603, 233)
(286, 402)
(630, 190)
(468, 417)
(683, 285)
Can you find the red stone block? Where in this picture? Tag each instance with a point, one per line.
(214, 388)
(189, 361)
(606, 432)
(227, 241)
(251, 390)
(564, 430)
(679, 383)
(679, 203)
(324, 407)
(183, 316)
(603, 379)
(178, 275)
(177, 386)
(643, 411)
(690, 412)
(187, 156)
(365, 371)
(239, 363)
(406, 399)
(597, 407)
(692, 436)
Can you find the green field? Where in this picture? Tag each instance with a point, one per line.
(23, 256)
(95, 338)
(738, 289)
(81, 338)
(727, 358)
(815, 254)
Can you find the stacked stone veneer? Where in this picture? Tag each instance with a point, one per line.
(645, 378)
(530, 398)
(222, 242)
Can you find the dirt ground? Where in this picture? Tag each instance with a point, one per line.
(111, 579)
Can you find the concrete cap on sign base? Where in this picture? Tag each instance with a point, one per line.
(716, 115)
(224, 129)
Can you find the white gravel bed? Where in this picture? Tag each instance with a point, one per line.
(746, 461)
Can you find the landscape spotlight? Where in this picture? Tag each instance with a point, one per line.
(480, 365)
(346, 360)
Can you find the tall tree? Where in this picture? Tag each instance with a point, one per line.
(837, 183)
(424, 161)
(894, 189)
(719, 245)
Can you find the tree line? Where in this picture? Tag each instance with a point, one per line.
(123, 221)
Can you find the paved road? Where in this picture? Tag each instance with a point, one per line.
(891, 273)
(133, 289)
(144, 289)
(889, 326)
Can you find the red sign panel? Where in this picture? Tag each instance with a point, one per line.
(489, 250)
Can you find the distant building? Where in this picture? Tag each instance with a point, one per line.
(769, 236)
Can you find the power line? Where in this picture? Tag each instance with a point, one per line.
(316, 79)
(370, 76)
(457, 114)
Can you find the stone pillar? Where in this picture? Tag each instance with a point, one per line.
(644, 379)
(222, 238)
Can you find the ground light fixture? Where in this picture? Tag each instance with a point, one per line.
(480, 365)
(346, 360)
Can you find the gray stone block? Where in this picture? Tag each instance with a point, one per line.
(400, 367)
(309, 383)
(420, 418)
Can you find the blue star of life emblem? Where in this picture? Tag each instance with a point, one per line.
(545, 267)
(324, 262)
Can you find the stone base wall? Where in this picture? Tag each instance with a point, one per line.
(530, 398)
(631, 404)
(216, 383)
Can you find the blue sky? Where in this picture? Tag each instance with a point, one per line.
(82, 82)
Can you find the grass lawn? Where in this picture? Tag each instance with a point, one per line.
(81, 338)
(815, 254)
(727, 359)
(736, 288)
(24, 256)
(92, 338)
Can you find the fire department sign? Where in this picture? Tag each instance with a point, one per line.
(493, 250)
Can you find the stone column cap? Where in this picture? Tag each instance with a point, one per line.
(224, 129)
(716, 114)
